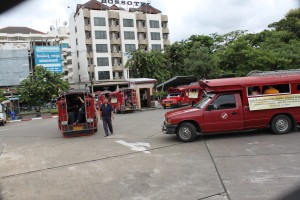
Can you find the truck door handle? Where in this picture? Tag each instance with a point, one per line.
(234, 113)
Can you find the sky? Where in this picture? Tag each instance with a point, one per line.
(201, 17)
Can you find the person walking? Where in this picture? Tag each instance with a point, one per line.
(106, 115)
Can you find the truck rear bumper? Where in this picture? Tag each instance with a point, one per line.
(169, 128)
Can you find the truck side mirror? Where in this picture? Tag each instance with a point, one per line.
(210, 107)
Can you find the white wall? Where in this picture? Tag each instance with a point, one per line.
(149, 30)
(96, 13)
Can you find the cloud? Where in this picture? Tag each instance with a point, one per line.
(185, 17)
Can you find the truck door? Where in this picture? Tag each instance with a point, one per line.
(224, 113)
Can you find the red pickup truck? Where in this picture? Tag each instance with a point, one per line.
(176, 97)
(235, 104)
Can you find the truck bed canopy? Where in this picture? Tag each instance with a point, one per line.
(238, 83)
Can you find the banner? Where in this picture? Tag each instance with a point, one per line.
(193, 95)
(273, 102)
(49, 57)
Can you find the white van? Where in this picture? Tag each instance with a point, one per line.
(2, 116)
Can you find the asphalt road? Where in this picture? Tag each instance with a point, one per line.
(138, 162)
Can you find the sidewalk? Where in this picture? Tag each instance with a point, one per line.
(29, 119)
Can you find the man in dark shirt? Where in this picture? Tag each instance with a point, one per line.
(106, 114)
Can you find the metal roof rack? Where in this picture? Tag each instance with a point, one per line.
(274, 73)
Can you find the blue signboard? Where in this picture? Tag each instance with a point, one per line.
(49, 57)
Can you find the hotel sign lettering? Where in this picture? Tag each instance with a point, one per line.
(134, 3)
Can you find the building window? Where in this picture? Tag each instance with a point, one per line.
(129, 35)
(77, 53)
(99, 21)
(102, 75)
(101, 48)
(75, 29)
(88, 34)
(128, 23)
(155, 36)
(102, 61)
(86, 21)
(100, 35)
(154, 24)
(129, 47)
(78, 66)
(89, 48)
(156, 47)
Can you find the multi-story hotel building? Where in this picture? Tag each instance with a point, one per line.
(103, 34)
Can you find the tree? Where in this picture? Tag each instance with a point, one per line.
(202, 62)
(290, 23)
(41, 87)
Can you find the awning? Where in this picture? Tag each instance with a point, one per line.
(176, 81)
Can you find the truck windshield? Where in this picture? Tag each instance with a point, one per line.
(173, 95)
(204, 101)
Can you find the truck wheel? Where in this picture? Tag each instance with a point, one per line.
(179, 104)
(165, 107)
(2, 123)
(186, 132)
(281, 124)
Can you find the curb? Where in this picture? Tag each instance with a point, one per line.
(23, 120)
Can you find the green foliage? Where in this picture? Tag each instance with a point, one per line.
(41, 87)
(2, 98)
(150, 64)
(210, 56)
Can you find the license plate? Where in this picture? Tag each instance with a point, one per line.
(168, 104)
(128, 108)
(77, 128)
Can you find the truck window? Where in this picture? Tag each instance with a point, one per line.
(254, 90)
(298, 87)
(226, 101)
(275, 89)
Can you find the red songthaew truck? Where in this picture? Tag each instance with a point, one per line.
(235, 104)
(123, 100)
(74, 117)
(194, 93)
(176, 97)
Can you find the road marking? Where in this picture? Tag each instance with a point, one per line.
(4, 130)
(137, 146)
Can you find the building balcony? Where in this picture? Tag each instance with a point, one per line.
(114, 28)
(87, 27)
(89, 55)
(140, 17)
(88, 40)
(166, 42)
(141, 29)
(86, 13)
(117, 67)
(143, 41)
(165, 30)
(69, 66)
(113, 15)
(70, 75)
(164, 18)
(115, 41)
(116, 54)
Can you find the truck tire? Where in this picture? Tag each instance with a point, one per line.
(281, 124)
(179, 104)
(186, 132)
(2, 123)
(165, 107)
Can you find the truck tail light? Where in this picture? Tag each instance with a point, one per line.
(90, 120)
(64, 123)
